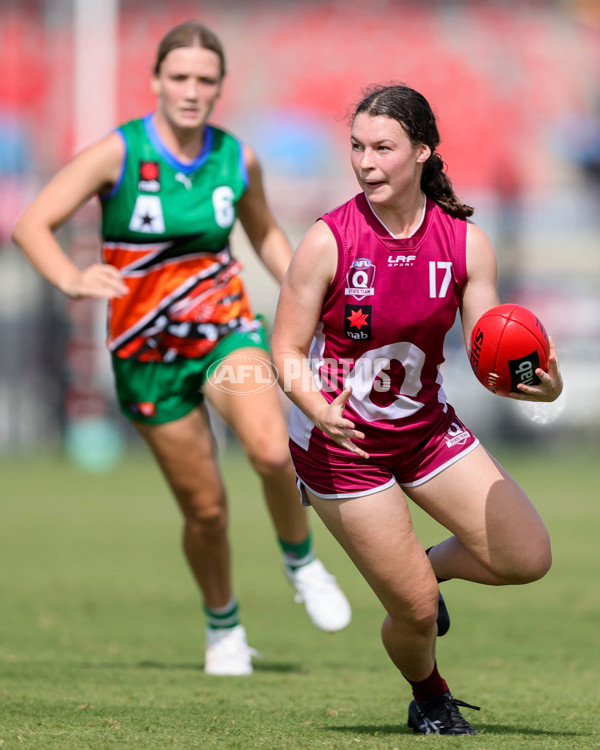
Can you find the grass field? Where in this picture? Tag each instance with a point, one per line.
(102, 636)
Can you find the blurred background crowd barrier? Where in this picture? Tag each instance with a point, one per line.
(515, 85)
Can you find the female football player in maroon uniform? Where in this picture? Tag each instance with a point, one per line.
(370, 294)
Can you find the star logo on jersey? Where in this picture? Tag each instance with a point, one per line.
(360, 279)
(357, 322)
(147, 215)
(358, 318)
(149, 177)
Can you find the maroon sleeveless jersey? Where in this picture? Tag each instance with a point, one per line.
(383, 323)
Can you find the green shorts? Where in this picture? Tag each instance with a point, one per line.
(157, 392)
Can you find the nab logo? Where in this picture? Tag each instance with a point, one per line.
(357, 322)
(143, 408)
(149, 177)
(522, 370)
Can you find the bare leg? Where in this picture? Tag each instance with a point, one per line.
(256, 416)
(257, 419)
(185, 452)
(499, 538)
(377, 534)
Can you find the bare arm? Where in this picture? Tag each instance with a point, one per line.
(94, 169)
(298, 312)
(480, 294)
(481, 290)
(265, 235)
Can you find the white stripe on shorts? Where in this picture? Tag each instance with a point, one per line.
(339, 495)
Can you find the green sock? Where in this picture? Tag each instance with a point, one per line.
(225, 617)
(297, 555)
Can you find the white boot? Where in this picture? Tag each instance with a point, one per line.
(323, 599)
(227, 652)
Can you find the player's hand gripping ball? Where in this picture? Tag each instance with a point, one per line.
(508, 344)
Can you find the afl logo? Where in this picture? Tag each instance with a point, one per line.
(360, 279)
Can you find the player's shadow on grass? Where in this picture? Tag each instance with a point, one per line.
(282, 667)
(489, 729)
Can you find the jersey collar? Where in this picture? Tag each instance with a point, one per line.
(164, 152)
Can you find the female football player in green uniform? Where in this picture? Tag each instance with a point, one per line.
(171, 187)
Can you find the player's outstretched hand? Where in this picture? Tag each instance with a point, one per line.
(99, 280)
(340, 429)
(550, 386)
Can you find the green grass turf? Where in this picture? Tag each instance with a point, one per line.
(102, 636)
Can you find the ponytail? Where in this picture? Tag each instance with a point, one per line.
(436, 185)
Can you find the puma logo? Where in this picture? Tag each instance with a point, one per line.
(184, 179)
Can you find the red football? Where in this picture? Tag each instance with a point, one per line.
(508, 344)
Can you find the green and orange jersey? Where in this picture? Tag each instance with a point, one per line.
(166, 226)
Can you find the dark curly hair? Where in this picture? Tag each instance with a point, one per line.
(413, 112)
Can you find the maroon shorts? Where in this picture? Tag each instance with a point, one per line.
(331, 472)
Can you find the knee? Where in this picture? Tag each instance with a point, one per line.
(420, 614)
(424, 620)
(537, 564)
(531, 565)
(270, 458)
(206, 522)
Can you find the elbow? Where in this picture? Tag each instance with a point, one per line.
(277, 357)
(20, 230)
(16, 233)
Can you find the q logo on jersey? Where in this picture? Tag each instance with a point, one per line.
(360, 279)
